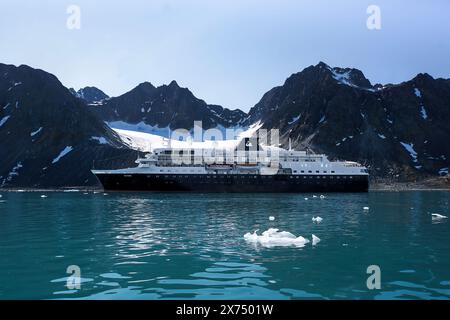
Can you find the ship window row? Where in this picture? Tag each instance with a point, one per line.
(253, 176)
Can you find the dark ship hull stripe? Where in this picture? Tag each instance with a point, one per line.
(234, 183)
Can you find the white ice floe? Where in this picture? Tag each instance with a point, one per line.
(437, 216)
(317, 219)
(443, 171)
(306, 198)
(314, 196)
(366, 208)
(43, 196)
(272, 218)
(275, 238)
(322, 196)
(62, 154)
(382, 136)
(315, 240)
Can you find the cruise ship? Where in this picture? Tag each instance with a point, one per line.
(248, 167)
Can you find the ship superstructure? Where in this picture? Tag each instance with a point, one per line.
(248, 167)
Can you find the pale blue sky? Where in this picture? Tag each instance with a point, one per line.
(227, 52)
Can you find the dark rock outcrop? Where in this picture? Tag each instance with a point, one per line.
(48, 137)
(166, 106)
(396, 130)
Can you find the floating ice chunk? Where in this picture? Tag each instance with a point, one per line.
(274, 238)
(306, 198)
(317, 219)
(314, 196)
(437, 216)
(322, 196)
(43, 196)
(366, 208)
(315, 240)
(272, 218)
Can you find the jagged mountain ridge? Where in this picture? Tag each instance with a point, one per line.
(48, 137)
(166, 106)
(91, 95)
(397, 130)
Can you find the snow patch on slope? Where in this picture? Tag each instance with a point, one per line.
(410, 148)
(100, 140)
(147, 142)
(36, 132)
(3, 121)
(62, 154)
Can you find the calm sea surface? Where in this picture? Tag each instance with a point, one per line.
(192, 246)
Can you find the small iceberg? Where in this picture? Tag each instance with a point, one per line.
(272, 218)
(306, 198)
(437, 216)
(317, 219)
(322, 196)
(315, 240)
(366, 208)
(43, 196)
(314, 196)
(275, 238)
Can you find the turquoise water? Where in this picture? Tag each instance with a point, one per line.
(191, 246)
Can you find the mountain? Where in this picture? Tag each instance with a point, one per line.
(91, 95)
(49, 138)
(166, 106)
(396, 130)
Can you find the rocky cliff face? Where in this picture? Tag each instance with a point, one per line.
(397, 130)
(91, 95)
(166, 106)
(49, 138)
